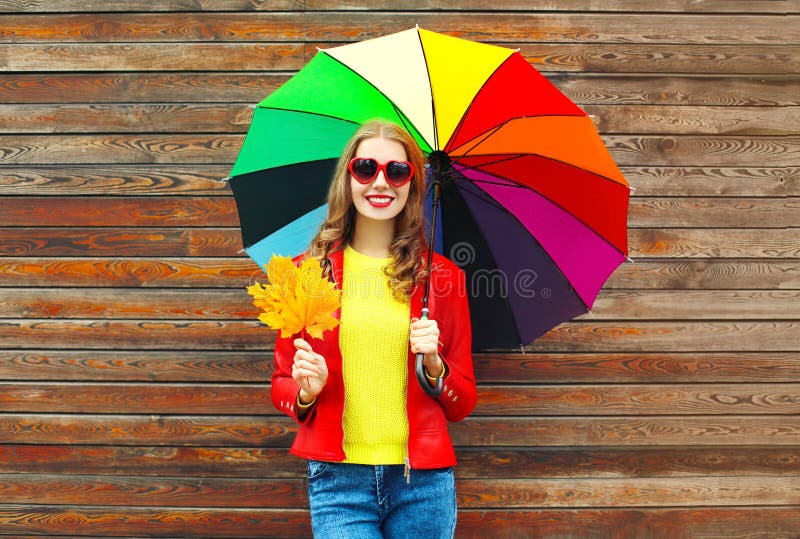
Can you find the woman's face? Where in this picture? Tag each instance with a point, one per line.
(378, 199)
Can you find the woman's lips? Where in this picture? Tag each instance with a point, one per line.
(379, 201)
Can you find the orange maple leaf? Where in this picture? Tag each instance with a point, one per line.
(297, 299)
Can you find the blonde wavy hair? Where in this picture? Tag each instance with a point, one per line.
(407, 267)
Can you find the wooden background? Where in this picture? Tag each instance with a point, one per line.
(134, 396)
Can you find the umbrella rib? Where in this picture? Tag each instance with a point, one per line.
(311, 113)
(430, 85)
(487, 198)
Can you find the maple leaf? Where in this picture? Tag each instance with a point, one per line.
(297, 299)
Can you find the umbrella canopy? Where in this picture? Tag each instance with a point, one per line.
(533, 208)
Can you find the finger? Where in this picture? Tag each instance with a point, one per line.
(302, 344)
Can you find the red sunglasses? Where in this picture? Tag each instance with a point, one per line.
(365, 169)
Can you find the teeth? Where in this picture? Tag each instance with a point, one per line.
(380, 200)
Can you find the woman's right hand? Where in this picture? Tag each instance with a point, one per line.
(309, 371)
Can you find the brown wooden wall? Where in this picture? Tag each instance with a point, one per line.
(134, 396)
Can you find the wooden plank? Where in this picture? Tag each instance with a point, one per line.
(122, 242)
(767, 243)
(547, 57)
(236, 118)
(656, 58)
(117, 211)
(222, 149)
(146, 5)
(714, 182)
(589, 400)
(190, 211)
(145, 272)
(736, 6)
(531, 368)
(110, 179)
(715, 243)
(192, 304)
(250, 88)
(720, 6)
(128, 366)
(471, 493)
(729, 91)
(334, 26)
(694, 305)
(689, 119)
(233, 87)
(142, 335)
(273, 431)
(734, 523)
(622, 462)
(142, 304)
(146, 461)
(141, 118)
(155, 522)
(686, 274)
(185, 431)
(473, 463)
(728, 522)
(152, 491)
(136, 398)
(161, 149)
(641, 492)
(628, 431)
(152, 57)
(664, 367)
(597, 336)
(539, 401)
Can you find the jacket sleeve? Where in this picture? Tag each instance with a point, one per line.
(459, 393)
(284, 388)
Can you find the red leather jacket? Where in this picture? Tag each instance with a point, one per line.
(320, 431)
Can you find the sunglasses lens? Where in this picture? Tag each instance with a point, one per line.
(398, 171)
(364, 169)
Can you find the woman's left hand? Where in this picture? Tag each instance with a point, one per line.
(424, 338)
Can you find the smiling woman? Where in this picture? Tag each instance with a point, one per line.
(361, 415)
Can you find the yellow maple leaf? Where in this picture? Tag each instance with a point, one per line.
(297, 299)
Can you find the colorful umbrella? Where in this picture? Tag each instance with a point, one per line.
(533, 207)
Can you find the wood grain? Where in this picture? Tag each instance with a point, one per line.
(473, 462)
(117, 180)
(156, 366)
(134, 272)
(152, 492)
(598, 336)
(535, 401)
(644, 274)
(66, 57)
(268, 431)
(735, 6)
(532, 368)
(358, 26)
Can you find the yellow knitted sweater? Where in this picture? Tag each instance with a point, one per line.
(373, 338)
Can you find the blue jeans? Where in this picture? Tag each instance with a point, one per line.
(356, 501)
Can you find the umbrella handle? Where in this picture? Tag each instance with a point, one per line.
(423, 380)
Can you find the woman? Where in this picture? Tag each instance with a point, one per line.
(379, 454)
